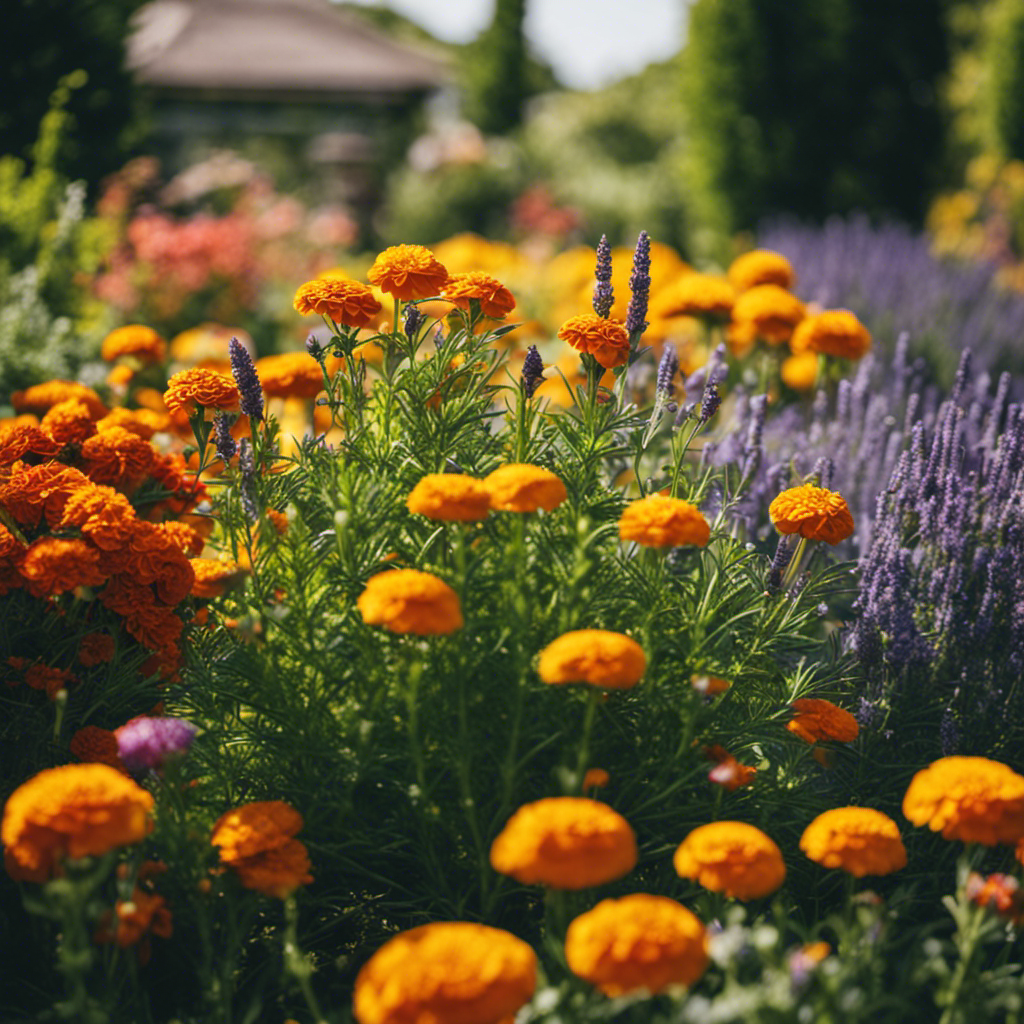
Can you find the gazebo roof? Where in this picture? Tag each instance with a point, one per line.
(269, 47)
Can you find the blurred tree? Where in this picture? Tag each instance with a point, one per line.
(813, 107)
(495, 71)
(1003, 57)
(44, 40)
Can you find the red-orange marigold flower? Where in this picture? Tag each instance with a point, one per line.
(186, 537)
(731, 857)
(566, 843)
(31, 492)
(495, 299)
(49, 678)
(105, 516)
(95, 649)
(637, 943)
(197, 386)
(53, 565)
(410, 601)
(408, 272)
(69, 422)
(859, 840)
(78, 810)
(814, 512)
(117, 457)
(821, 720)
(728, 772)
(143, 914)
(93, 745)
(663, 522)
(23, 439)
(599, 657)
(344, 301)
(606, 340)
(134, 340)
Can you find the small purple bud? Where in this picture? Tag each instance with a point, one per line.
(250, 391)
(667, 369)
(639, 286)
(533, 371)
(604, 296)
(780, 563)
(147, 744)
(227, 447)
(710, 402)
(412, 321)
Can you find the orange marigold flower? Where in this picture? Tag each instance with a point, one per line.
(859, 840)
(728, 772)
(151, 557)
(999, 893)
(968, 798)
(186, 537)
(95, 649)
(832, 333)
(134, 340)
(566, 843)
(595, 778)
(144, 913)
(814, 512)
(31, 492)
(257, 841)
(408, 272)
(451, 497)
(41, 397)
(279, 521)
(637, 943)
(761, 266)
(94, 745)
(117, 457)
(143, 422)
(69, 422)
(450, 972)
(49, 678)
(521, 487)
(495, 299)
(290, 375)
(821, 720)
(733, 858)
(699, 295)
(80, 810)
(770, 311)
(189, 388)
(606, 340)
(799, 372)
(120, 377)
(22, 439)
(663, 522)
(710, 686)
(105, 516)
(53, 565)
(214, 577)
(410, 601)
(599, 657)
(344, 301)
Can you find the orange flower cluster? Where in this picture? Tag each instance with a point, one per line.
(698, 295)
(344, 301)
(606, 340)
(23, 441)
(496, 301)
(761, 266)
(999, 893)
(834, 333)
(257, 842)
(968, 798)
(733, 858)
(768, 312)
(40, 398)
(813, 512)
(598, 657)
(81, 810)
(95, 649)
(637, 943)
(408, 272)
(450, 497)
(817, 720)
(213, 577)
(198, 386)
(69, 422)
(565, 843)
(521, 487)
(410, 601)
(290, 375)
(451, 971)
(143, 915)
(136, 340)
(663, 522)
(859, 840)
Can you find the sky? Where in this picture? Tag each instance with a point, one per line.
(588, 42)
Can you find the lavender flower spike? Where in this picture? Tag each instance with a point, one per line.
(533, 371)
(227, 447)
(639, 286)
(604, 296)
(710, 401)
(412, 320)
(667, 370)
(250, 390)
(147, 744)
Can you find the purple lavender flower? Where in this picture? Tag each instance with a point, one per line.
(227, 447)
(667, 369)
(147, 744)
(247, 480)
(639, 286)
(780, 563)
(533, 371)
(604, 296)
(710, 401)
(412, 320)
(250, 390)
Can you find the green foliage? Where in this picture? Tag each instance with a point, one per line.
(495, 73)
(1003, 57)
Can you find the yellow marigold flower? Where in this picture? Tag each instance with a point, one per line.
(521, 487)
(606, 340)
(761, 266)
(410, 601)
(770, 311)
(120, 377)
(41, 397)
(79, 810)
(821, 720)
(451, 497)
(213, 577)
(637, 943)
(134, 340)
(859, 840)
(799, 372)
(495, 299)
(814, 512)
(699, 295)
(565, 842)
(599, 657)
(256, 842)
(93, 745)
(344, 301)
(968, 798)
(202, 387)
(733, 858)
(450, 972)
(290, 375)
(408, 272)
(663, 522)
(835, 332)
